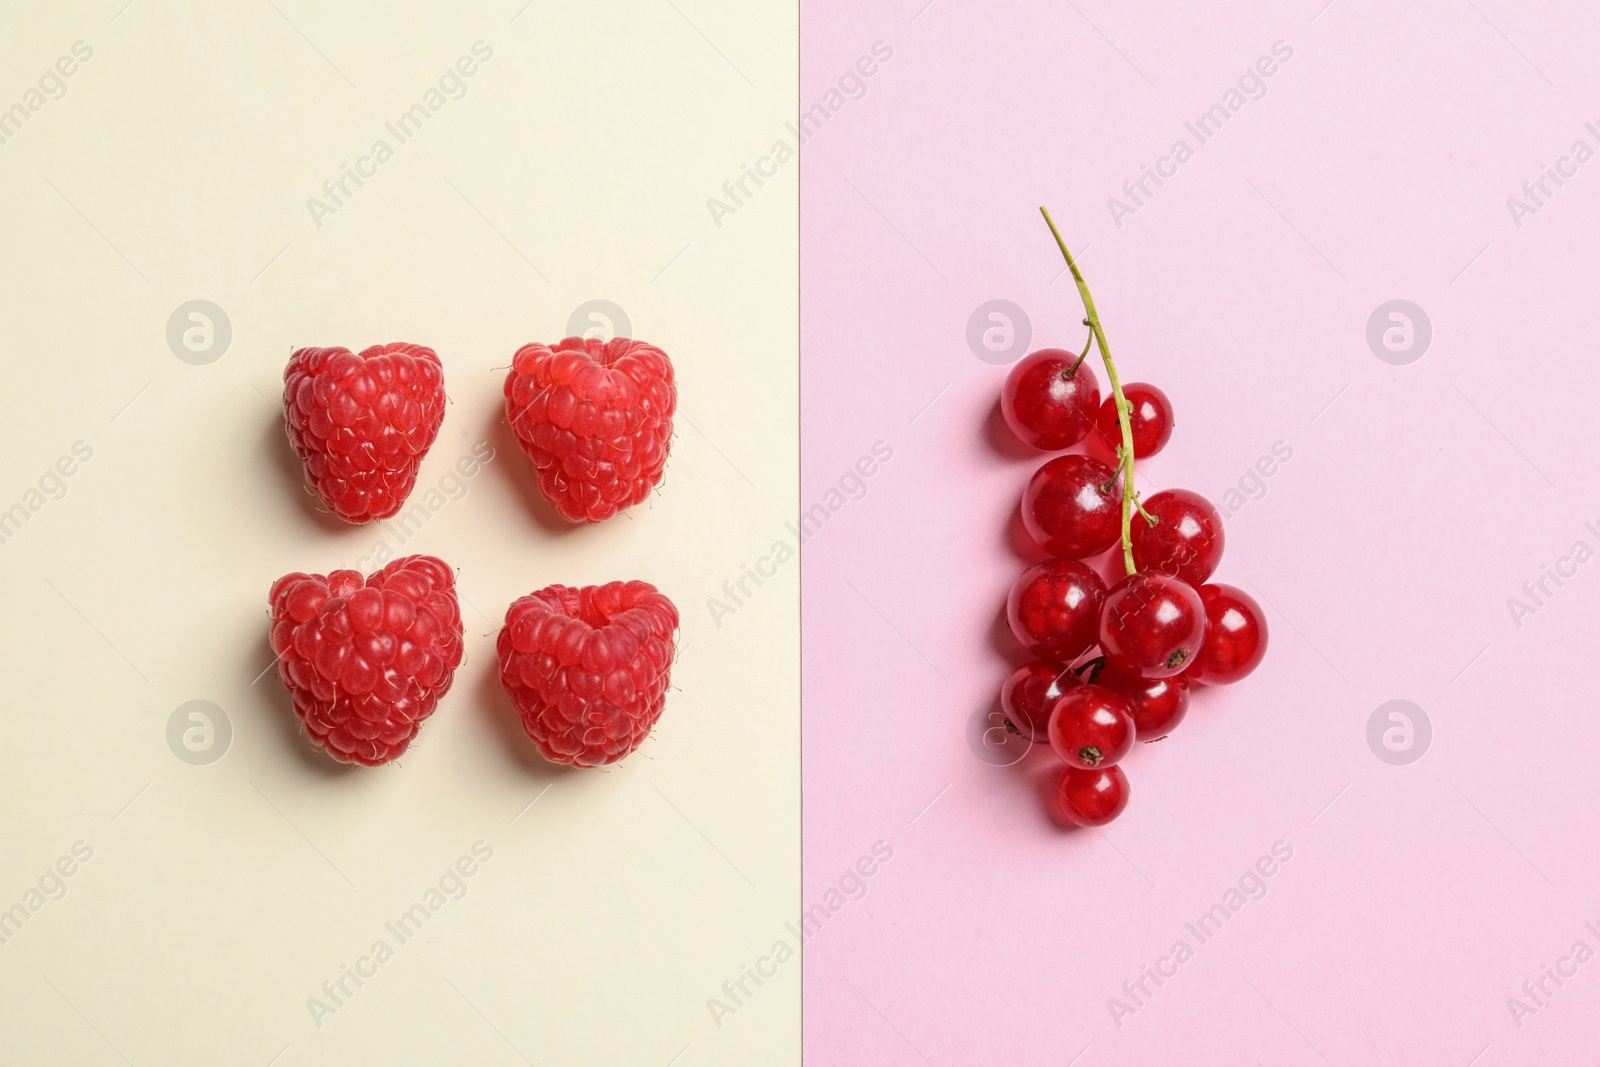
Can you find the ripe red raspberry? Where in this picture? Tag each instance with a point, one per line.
(362, 423)
(587, 669)
(367, 661)
(596, 419)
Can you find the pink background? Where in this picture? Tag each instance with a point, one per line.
(1418, 499)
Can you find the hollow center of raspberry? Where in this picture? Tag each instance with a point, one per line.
(602, 353)
(591, 614)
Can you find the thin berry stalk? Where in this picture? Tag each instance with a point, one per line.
(1124, 410)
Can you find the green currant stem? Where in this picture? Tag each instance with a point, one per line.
(1124, 417)
(1088, 343)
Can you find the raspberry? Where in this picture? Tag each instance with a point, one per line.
(587, 669)
(595, 417)
(367, 661)
(362, 423)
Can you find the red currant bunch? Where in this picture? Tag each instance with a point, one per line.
(1114, 665)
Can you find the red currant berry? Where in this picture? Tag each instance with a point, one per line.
(1054, 609)
(1072, 507)
(1186, 541)
(1031, 692)
(1049, 403)
(1090, 727)
(1236, 636)
(1149, 417)
(1156, 704)
(1154, 622)
(1091, 798)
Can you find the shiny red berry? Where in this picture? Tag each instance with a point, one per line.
(1090, 798)
(1054, 609)
(1186, 541)
(1072, 507)
(1149, 417)
(1156, 704)
(1090, 727)
(1030, 693)
(1236, 636)
(1155, 622)
(1047, 403)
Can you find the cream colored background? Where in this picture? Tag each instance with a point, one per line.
(219, 898)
